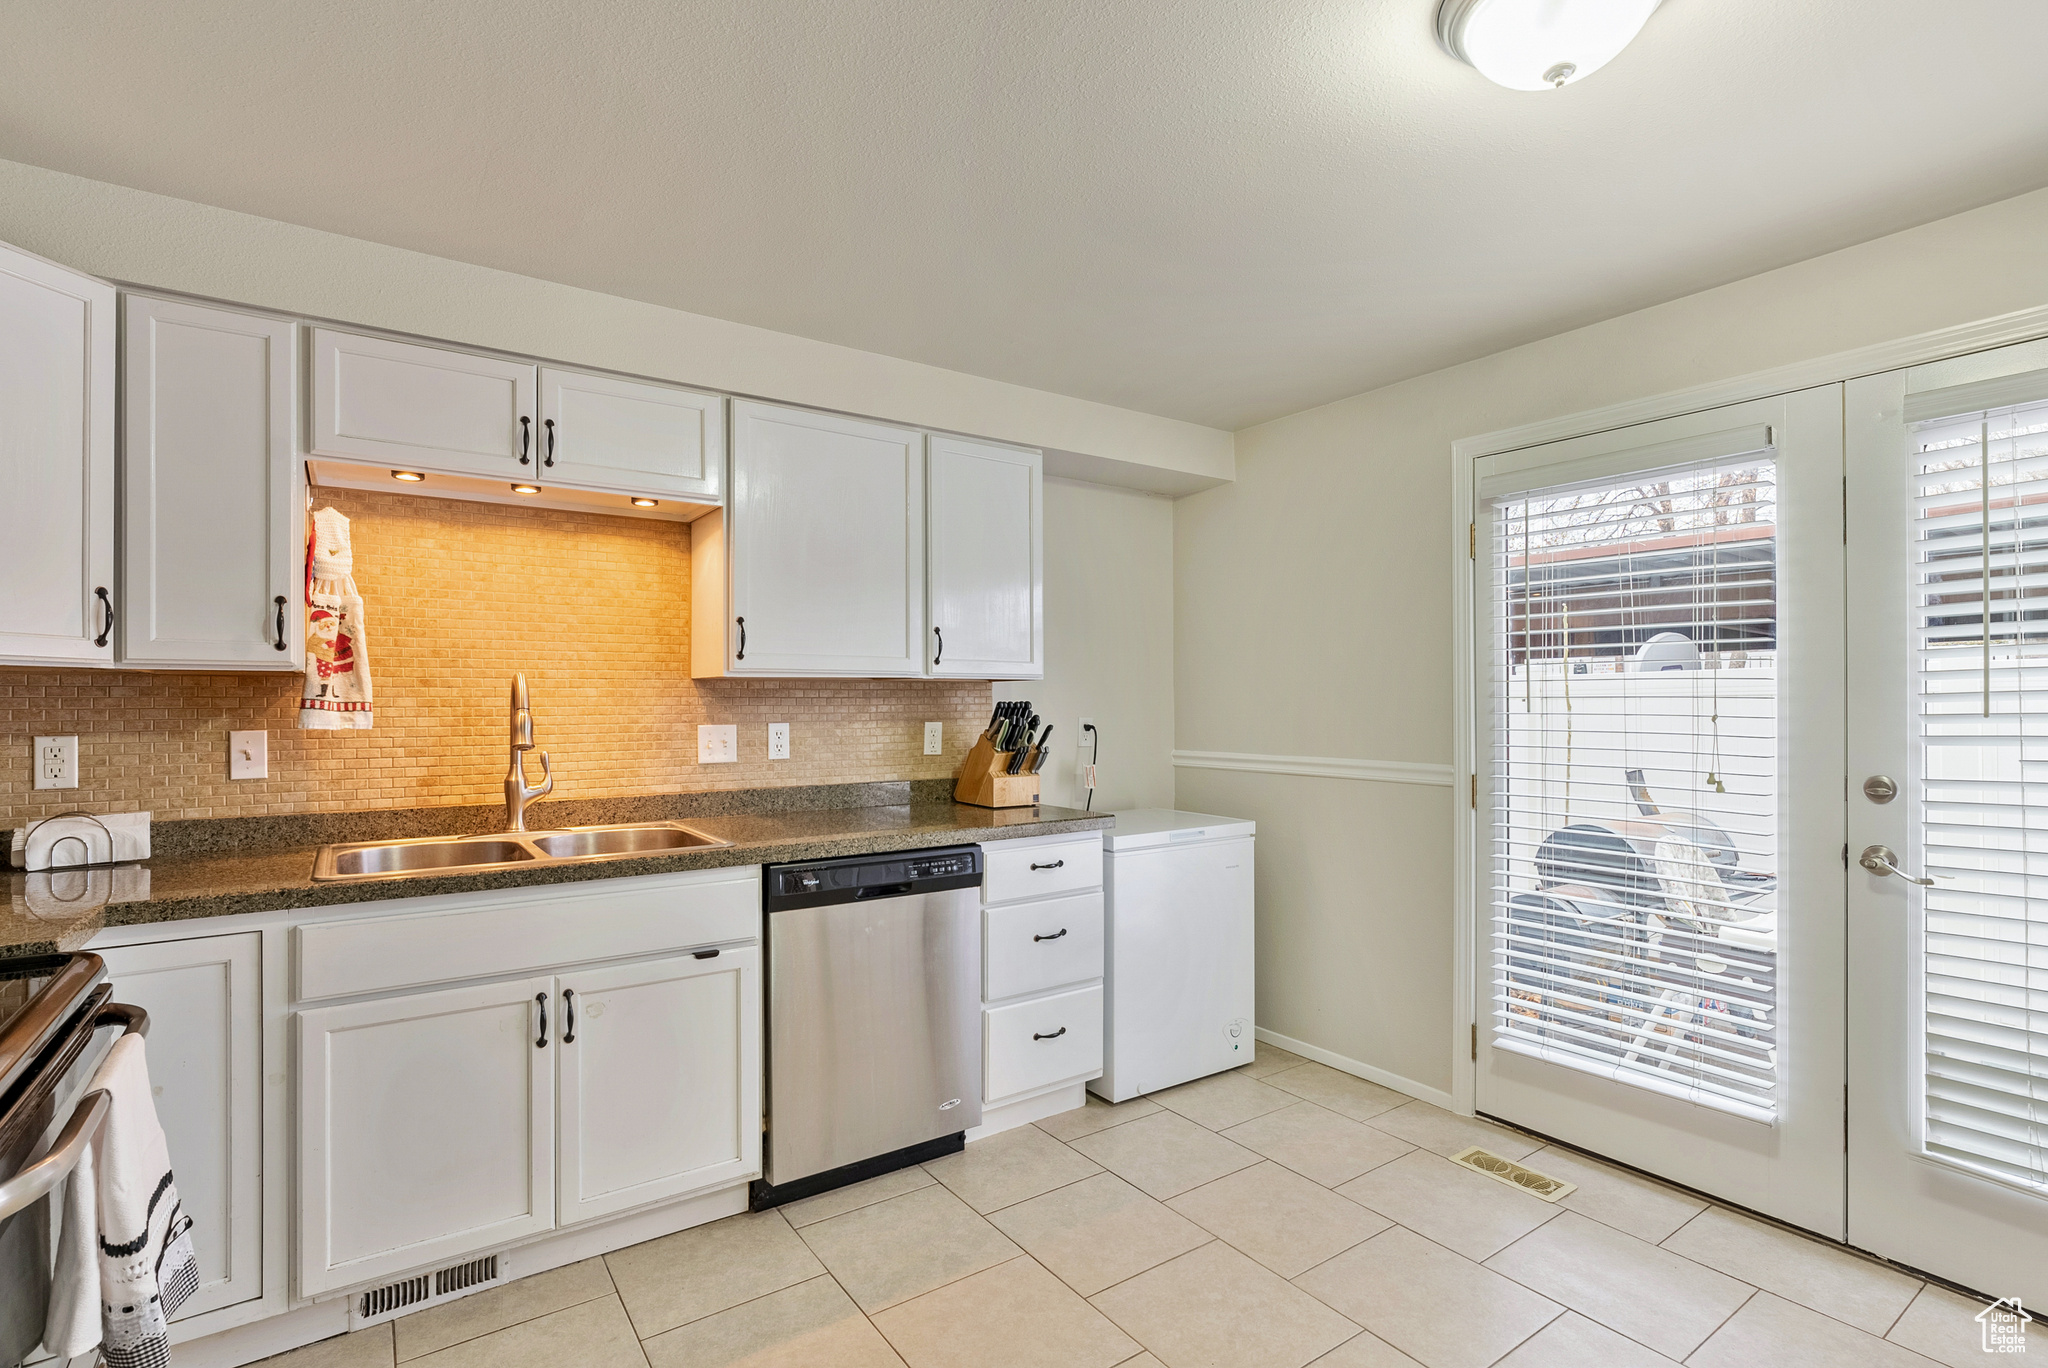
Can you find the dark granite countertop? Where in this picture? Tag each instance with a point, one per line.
(219, 868)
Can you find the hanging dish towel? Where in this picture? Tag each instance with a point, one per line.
(123, 1299)
(337, 694)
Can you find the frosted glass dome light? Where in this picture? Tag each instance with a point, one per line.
(1539, 44)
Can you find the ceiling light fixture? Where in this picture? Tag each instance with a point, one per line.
(526, 489)
(1539, 44)
(409, 476)
(646, 503)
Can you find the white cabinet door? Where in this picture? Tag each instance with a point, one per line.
(213, 524)
(660, 1073)
(426, 1129)
(56, 463)
(205, 1053)
(825, 529)
(600, 432)
(986, 576)
(423, 408)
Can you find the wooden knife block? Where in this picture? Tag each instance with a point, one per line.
(985, 783)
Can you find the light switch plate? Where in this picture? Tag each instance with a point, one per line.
(934, 738)
(56, 762)
(248, 755)
(778, 740)
(718, 745)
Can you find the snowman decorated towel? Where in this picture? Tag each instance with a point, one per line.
(337, 693)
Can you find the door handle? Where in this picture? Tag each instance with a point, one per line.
(1879, 859)
(541, 1041)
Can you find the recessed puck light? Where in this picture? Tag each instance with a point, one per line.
(409, 476)
(646, 503)
(526, 489)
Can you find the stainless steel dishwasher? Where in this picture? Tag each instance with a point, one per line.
(874, 1016)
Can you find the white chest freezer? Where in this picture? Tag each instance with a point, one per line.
(1177, 889)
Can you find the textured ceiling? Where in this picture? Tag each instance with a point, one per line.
(1217, 210)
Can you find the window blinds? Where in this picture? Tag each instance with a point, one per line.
(1634, 779)
(1981, 620)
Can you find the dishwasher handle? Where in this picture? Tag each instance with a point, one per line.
(895, 890)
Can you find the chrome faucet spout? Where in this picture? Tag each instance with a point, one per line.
(518, 793)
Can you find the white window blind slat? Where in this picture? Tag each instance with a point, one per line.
(1634, 775)
(1980, 497)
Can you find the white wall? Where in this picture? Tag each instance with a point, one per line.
(1313, 603)
(1109, 643)
(140, 238)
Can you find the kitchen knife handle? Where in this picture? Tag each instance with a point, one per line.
(743, 638)
(525, 439)
(941, 654)
(549, 424)
(279, 643)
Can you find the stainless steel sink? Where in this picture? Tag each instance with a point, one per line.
(444, 855)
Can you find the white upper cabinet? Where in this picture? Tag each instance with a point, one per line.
(985, 562)
(426, 1129)
(404, 405)
(631, 436)
(660, 1081)
(213, 526)
(56, 463)
(824, 544)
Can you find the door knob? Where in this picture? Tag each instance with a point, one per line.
(1880, 859)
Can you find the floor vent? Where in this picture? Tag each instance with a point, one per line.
(423, 1290)
(1514, 1175)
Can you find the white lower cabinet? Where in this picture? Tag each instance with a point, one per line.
(1042, 963)
(660, 1080)
(426, 1128)
(205, 1050)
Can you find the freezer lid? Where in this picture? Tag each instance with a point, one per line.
(1143, 828)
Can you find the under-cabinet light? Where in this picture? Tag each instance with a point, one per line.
(646, 503)
(526, 489)
(409, 476)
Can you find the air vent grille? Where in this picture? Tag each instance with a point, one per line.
(1514, 1175)
(382, 1301)
(466, 1275)
(424, 1289)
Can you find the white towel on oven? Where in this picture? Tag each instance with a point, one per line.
(145, 1269)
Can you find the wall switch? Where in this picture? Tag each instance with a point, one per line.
(778, 740)
(934, 738)
(718, 745)
(56, 761)
(248, 755)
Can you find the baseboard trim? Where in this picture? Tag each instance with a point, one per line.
(1010, 1115)
(1317, 767)
(1422, 1092)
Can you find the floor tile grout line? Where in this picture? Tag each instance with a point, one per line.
(1753, 1293)
(1090, 1297)
(759, 1296)
(509, 1325)
(1911, 1302)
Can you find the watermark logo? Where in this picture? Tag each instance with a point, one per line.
(2005, 1325)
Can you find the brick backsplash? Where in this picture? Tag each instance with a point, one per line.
(459, 596)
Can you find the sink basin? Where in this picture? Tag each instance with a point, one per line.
(511, 849)
(408, 857)
(583, 843)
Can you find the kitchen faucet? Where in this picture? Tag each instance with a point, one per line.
(517, 792)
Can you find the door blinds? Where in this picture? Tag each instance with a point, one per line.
(1634, 779)
(1981, 705)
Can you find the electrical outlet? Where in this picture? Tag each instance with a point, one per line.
(56, 762)
(934, 738)
(1084, 735)
(248, 755)
(718, 745)
(778, 740)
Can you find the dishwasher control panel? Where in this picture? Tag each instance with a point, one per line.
(860, 877)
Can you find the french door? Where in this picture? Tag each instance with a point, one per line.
(1658, 629)
(1948, 818)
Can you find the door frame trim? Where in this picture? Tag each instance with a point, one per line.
(2023, 325)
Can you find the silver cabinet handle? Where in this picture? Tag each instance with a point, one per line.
(1880, 859)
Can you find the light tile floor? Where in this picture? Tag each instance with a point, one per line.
(1279, 1216)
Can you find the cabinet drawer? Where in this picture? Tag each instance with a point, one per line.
(1042, 1042)
(1030, 947)
(1042, 871)
(487, 934)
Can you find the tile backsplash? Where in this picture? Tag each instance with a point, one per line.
(459, 596)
